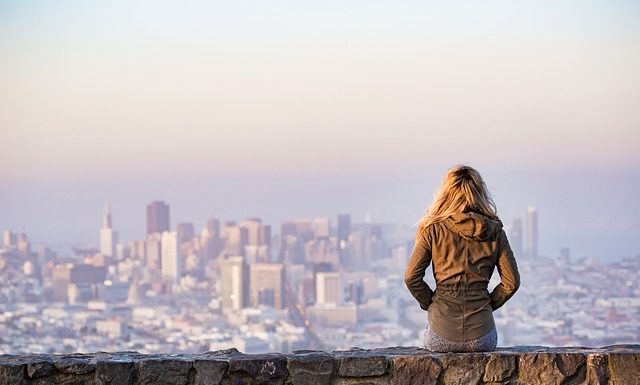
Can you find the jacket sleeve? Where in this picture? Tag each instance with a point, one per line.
(509, 275)
(418, 263)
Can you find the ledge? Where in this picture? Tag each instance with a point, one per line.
(523, 365)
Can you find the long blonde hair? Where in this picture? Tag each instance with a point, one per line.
(462, 190)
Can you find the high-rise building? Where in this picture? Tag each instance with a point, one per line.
(329, 288)
(153, 251)
(60, 277)
(236, 238)
(264, 235)
(157, 217)
(321, 228)
(234, 283)
(253, 230)
(171, 266)
(532, 232)
(344, 229)
(515, 237)
(9, 238)
(266, 285)
(211, 241)
(344, 226)
(186, 232)
(108, 236)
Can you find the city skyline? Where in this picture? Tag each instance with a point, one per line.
(304, 109)
(316, 283)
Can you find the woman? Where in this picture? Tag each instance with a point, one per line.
(463, 237)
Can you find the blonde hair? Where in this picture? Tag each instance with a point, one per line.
(462, 190)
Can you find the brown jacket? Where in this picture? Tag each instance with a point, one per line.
(464, 249)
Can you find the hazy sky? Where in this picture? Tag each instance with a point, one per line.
(292, 108)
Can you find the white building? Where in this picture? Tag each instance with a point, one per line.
(329, 289)
(171, 265)
(108, 236)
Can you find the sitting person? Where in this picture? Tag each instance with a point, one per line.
(462, 236)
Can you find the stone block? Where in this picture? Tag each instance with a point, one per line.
(552, 368)
(415, 370)
(624, 368)
(362, 365)
(113, 372)
(597, 372)
(463, 368)
(12, 372)
(163, 371)
(499, 368)
(209, 372)
(311, 368)
(382, 380)
(267, 369)
(40, 368)
(75, 364)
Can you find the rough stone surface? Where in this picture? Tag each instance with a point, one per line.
(312, 368)
(500, 368)
(539, 368)
(75, 364)
(263, 369)
(416, 370)
(624, 368)
(209, 372)
(597, 369)
(463, 369)
(163, 371)
(12, 372)
(360, 364)
(521, 365)
(115, 372)
(40, 368)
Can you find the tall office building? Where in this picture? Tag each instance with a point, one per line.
(234, 283)
(60, 277)
(171, 266)
(236, 238)
(344, 229)
(253, 230)
(186, 232)
(157, 217)
(266, 285)
(153, 251)
(329, 288)
(321, 227)
(515, 237)
(210, 240)
(532, 232)
(108, 236)
(9, 238)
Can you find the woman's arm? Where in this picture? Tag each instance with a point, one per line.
(418, 263)
(509, 275)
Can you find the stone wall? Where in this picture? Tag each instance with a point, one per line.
(618, 364)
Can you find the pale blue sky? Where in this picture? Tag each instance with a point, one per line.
(325, 94)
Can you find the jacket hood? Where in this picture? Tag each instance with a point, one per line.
(473, 226)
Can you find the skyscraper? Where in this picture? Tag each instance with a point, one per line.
(186, 232)
(171, 266)
(515, 237)
(344, 229)
(329, 288)
(532, 232)
(321, 228)
(157, 217)
(108, 236)
(266, 285)
(234, 282)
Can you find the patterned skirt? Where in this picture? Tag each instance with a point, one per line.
(436, 343)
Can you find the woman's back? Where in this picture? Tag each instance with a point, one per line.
(464, 247)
